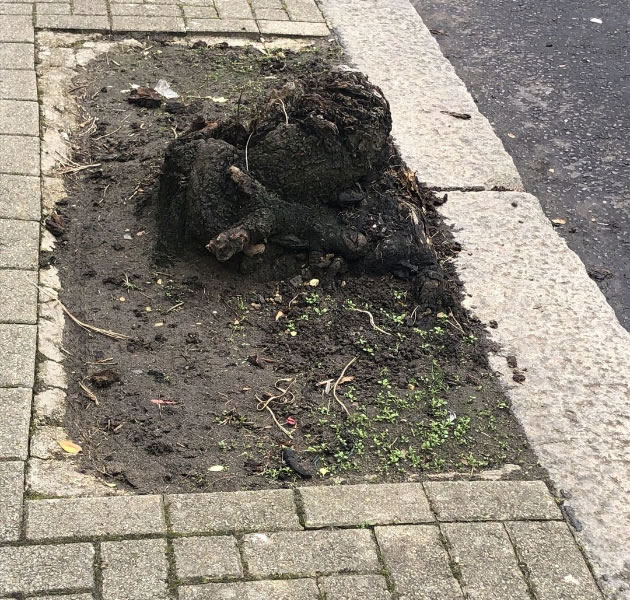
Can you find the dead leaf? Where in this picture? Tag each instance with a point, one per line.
(216, 468)
(69, 446)
(280, 315)
(559, 221)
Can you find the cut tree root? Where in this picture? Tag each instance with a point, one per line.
(305, 189)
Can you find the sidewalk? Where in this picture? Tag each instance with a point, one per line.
(436, 540)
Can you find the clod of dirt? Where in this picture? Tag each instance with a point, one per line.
(55, 224)
(518, 376)
(146, 97)
(290, 458)
(511, 361)
(105, 378)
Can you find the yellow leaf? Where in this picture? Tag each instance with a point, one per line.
(69, 446)
(216, 468)
(279, 315)
(559, 221)
(314, 282)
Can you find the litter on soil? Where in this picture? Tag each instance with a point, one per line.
(227, 383)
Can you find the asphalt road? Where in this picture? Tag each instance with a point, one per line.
(556, 87)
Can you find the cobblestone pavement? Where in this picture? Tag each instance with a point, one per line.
(433, 541)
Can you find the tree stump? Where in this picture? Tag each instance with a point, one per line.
(314, 179)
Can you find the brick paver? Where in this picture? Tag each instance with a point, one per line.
(213, 557)
(268, 510)
(94, 517)
(368, 504)
(135, 570)
(18, 85)
(295, 589)
(491, 500)
(474, 546)
(15, 404)
(11, 483)
(404, 549)
(18, 296)
(19, 155)
(556, 568)
(18, 343)
(354, 587)
(308, 553)
(32, 569)
(17, 56)
(19, 241)
(20, 197)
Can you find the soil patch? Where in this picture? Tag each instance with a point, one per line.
(228, 383)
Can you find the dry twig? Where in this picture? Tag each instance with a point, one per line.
(286, 396)
(372, 323)
(89, 393)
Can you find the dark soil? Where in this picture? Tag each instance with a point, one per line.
(227, 383)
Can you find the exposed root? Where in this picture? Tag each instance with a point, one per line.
(372, 323)
(334, 389)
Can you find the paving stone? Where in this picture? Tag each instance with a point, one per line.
(61, 478)
(17, 56)
(18, 343)
(272, 14)
(49, 407)
(491, 500)
(89, 7)
(32, 569)
(213, 557)
(308, 553)
(17, 85)
(19, 117)
(234, 9)
(51, 374)
(200, 12)
(365, 504)
(557, 570)
(15, 407)
(64, 597)
(486, 559)
(221, 26)
(54, 8)
(354, 587)
(20, 196)
(94, 517)
(304, 10)
(16, 9)
(256, 4)
(80, 22)
(147, 10)
(19, 242)
(268, 510)
(135, 570)
(147, 24)
(17, 28)
(292, 589)
(19, 155)
(294, 28)
(418, 562)
(11, 488)
(18, 296)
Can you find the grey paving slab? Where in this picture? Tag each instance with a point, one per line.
(272, 14)
(491, 500)
(234, 9)
(17, 56)
(556, 568)
(365, 504)
(486, 560)
(294, 28)
(15, 407)
(418, 562)
(135, 570)
(17, 28)
(308, 553)
(174, 24)
(294, 589)
(200, 12)
(89, 7)
(389, 42)
(18, 296)
(267, 510)
(54, 8)
(19, 243)
(18, 343)
(64, 597)
(221, 26)
(146, 10)
(16, 9)
(304, 10)
(19, 155)
(17, 85)
(94, 517)
(11, 488)
(20, 196)
(32, 569)
(19, 117)
(354, 587)
(79, 22)
(213, 557)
